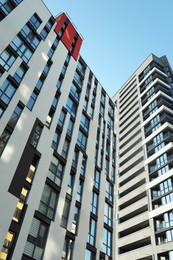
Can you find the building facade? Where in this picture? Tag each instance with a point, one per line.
(57, 141)
(83, 176)
(144, 163)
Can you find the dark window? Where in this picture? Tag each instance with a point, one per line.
(75, 220)
(48, 202)
(97, 179)
(65, 214)
(15, 116)
(55, 140)
(35, 21)
(67, 249)
(36, 136)
(32, 100)
(19, 74)
(109, 191)
(40, 83)
(71, 107)
(92, 232)
(83, 166)
(75, 92)
(3, 140)
(7, 59)
(107, 242)
(65, 149)
(22, 50)
(61, 118)
(79, 191)
(56, 170)
(36, 240)
(70, 183)
(82, 140)
(94, 205)
(70, 128)
(108, 214)
(85, 123)
(30, 36)
(89, 255)
(7, 91)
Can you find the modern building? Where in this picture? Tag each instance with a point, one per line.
(144, 229)
(57, 141)
(83, 176)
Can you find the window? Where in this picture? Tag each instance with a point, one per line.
(75, 220)
(32, 169)
(96, 155)
(107, 242)
(113, 157)
(88, 91)
(110, 122)
(67, 249)
(15, 116)
(85, 123)
(55, 140)
(6, 6)
(40, 83)
(35, 21)
(97, 179)
(70, 183)
(85, 105)
(47, 68)
(46, 29)
(7, 59)
(82, 140)
(92, 232)
(7, 245)
(36, 136)
(113, 174)
(109, 191)
(78, 79)
(103, 98)
(1, 111)
(79, 191)
(108, 214)
(101, 160)
(106, 167)
(56, 170)
(89, 255)
(70, 128)
(21, 48)
(32, 100)
(55, 101)
(19, 74)
(71, 107)
(61, 118)
(65, 149)
(102, 110)
(48, 202)
(19, 208)
(83, 166)
(75, 159)
(30, 36)
(81, 67)
(59, 83)
(3, 140)
(107, 149)
(7, 91)
(94, 205)
(36, 240)
(75, 92)
(91, 112)
(65, 214)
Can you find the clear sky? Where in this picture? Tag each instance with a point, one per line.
(119, 34)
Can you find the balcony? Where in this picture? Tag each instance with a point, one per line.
(163, 118)
(167, 137)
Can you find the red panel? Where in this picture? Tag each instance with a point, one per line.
(60, 21)
(77, 48)
(68, 35)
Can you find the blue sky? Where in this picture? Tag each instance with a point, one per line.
(119, 34)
